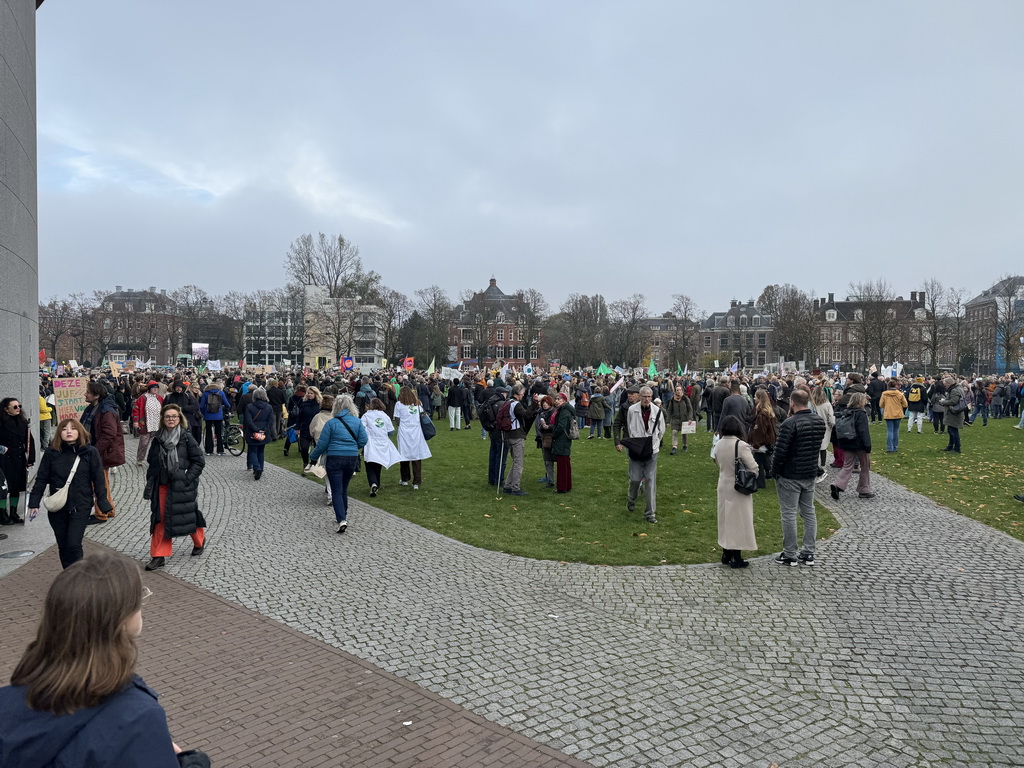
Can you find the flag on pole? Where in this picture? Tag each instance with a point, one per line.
(528, 369)
(652, 370)
(617, 384)
(408, 362)
(602, 369)
(735, 367)
(430, 368)
(686, 370)
(504, 371)
(347, 363)
(679, 369)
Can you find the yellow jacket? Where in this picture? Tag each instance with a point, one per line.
(893, 404)
(45, 412)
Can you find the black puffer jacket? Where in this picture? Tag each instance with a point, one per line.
(796, 449)
(183, 515)
(188, 404)
(863, 440)
(88, 484)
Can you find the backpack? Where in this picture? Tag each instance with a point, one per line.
(845, 427)
(213, 402)
(915, 394)
(584, 399)
(489, 412)
(503, 420)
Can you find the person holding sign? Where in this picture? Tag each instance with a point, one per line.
(679, 410)
(71, 460)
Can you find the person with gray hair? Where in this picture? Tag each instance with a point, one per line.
(513, 432)
(340, 440)
(644, 428)
(258, 425)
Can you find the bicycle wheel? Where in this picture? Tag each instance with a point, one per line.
(234, 439)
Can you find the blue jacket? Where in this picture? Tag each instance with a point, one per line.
(128, 730)
(335, 440)
(225, 405)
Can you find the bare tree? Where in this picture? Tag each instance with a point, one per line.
(333, 262)
(960, 337)
(1009, 319)
(395, 310)
(768, 301)
(686, 334)
(577, 333)
(533, 309)
(934, 329)
(56, 320)
(232, 307)
(436, 310)
(794, 323)
(877, 329)
(628, 334)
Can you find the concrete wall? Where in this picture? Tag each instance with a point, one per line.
(19, 257)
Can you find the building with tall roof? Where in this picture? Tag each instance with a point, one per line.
(492, 326)
(995, 318)
(741, 334)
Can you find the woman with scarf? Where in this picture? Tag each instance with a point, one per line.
(259, 423)
(17, 455)
(70, 451)
(172, 486)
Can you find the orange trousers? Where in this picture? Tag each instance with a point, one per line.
(160, 546)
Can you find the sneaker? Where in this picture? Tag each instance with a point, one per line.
(783, 560)
(415, 487)
(630, 505)
(342, 526)
(821, 478)
(650, 518)
(805, 559)
(834, 491)
(866, 495)
(403, 482)
(373, 490)
(673, 453)
(1015, 426)
(1019, 498)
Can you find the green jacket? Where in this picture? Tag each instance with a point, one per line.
(561, 445)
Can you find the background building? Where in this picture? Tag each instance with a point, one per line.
(742, 334)
(492, 326)
(342, 327)
(995, 319)
(141, 325)
(19, 248)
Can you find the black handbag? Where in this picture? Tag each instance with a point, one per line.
(638, 448)
(746, 481)
(427, 425)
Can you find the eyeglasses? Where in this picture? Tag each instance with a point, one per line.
(14, 407)
(146, 594)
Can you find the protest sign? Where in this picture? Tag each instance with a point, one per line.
(69, 397)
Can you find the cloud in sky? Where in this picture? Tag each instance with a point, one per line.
(596, 147)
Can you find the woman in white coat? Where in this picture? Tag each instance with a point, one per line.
(411, 443)
(379, 452)
(822, 407)
(735, 509)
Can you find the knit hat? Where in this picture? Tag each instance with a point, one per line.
(152, 384)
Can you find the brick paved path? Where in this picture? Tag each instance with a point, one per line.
(900, 648)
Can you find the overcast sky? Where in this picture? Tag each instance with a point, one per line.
(575, 146)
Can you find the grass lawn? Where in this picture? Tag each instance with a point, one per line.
(979, 483)
(588, 525)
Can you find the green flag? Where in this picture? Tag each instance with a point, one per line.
(430, 368)
(679, 370)
(604, 369)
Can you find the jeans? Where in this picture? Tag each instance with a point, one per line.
(254, 456)
(980, 410)
(339, 471)
(599, 425)
(915, 417)
(516, 447)
(69, 529)
(797, 495)
(214, 428)
(892, 434)
(954, 438)
(647, 471)
(497, 460)
(1021, 422)
(581, 422)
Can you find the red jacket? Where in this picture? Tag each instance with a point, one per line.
(139, 410)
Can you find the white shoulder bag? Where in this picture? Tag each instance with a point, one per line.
(57, 500)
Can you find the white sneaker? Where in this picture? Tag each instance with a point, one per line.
(415, 487)
(403, 482)
(342, 526)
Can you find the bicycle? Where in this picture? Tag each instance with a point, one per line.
(234, 439)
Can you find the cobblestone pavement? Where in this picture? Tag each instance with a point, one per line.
(900, 648)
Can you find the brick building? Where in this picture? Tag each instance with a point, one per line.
(742, 334)
(492, 326)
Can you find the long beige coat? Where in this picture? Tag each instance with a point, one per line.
(735, 510)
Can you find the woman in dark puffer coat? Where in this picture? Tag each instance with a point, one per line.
(172, 486)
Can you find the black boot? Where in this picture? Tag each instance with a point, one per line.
(737, 561)
(726, 556)
(15, 520)
(5, 519)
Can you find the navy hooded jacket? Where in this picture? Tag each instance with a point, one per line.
(128, 730)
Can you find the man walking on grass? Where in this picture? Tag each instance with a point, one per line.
(644, 427)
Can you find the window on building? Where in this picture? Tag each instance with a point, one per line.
(762, 358)
(730, 321)
(110, 306)
(723, 342)
(657, 342)
(501, 334)
(467, 351)
(837, 334)
(500, 317)
(750, 339)
(762, 340)
(858, 314)
(533, 352)
(744, 321)
(707, 342)
(499, 352)
(150, 306)
(519, 336)
(757, 320)
(748, 360)
(830, 315)
(520, 353)
(467, 334)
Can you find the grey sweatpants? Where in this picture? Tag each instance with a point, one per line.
(648, 472)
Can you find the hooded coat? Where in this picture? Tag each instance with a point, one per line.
(105, 431)
(128, 730)
(21, 453)
(183, 515)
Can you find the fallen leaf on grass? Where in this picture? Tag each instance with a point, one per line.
(486, 515)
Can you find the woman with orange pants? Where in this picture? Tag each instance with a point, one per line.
(172, 484)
